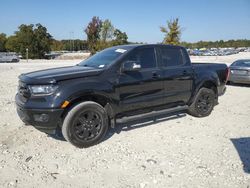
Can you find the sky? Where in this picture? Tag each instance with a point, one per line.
(140, 19)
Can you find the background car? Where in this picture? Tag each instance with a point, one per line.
(240, 71)
(8, 57)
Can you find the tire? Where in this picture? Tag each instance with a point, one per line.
(203, 103)
(14, 61)
(85, 125)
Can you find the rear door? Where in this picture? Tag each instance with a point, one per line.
(142, 88)
(177, 75)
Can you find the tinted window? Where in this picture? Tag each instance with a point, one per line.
(242, 63)
(145, 57)
(171, 57)
(103, 58)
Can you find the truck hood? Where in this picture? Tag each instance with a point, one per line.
(58, 74)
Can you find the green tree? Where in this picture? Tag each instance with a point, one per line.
(25, 40)
(68, 45)
(102, 34)
(34, 38)
(12, 44)
(56, 45)
(93, 33)
(3, 41)
(42, 41)
(217, 44)
(172, 32)
(107, 30)
(120, 37)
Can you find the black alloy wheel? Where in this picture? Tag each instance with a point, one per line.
(203, 103)
(86, 124)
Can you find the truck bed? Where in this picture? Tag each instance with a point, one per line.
(207, 64)
(219, 72)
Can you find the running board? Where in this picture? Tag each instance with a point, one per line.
(151, 114)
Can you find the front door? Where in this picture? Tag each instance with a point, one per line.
(142, 88)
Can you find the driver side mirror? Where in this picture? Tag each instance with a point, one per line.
(129, 66)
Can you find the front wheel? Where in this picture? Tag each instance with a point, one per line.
(203, 103)
(85, 124)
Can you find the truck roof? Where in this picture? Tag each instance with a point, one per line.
(131, 46)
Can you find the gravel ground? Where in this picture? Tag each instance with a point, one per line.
(174, 151)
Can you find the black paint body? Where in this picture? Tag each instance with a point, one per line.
(122, 93)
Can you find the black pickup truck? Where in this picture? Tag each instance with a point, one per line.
(118, 84)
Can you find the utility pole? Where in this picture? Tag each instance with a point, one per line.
(70, 42)
(27, 54)
(71, 36)
(73, 40)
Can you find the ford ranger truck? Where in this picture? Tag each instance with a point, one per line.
(117, 85)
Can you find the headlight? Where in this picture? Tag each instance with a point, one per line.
(42, 89)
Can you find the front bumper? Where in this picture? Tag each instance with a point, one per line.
(45, 120)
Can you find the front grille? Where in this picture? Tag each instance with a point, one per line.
(23, 90)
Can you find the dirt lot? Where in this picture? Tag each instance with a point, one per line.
(175, 151)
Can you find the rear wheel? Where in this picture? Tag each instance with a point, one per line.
(203, 103)
(85, 124)
(14, 60)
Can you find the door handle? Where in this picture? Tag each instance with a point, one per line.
(155, 75)
(185, 75)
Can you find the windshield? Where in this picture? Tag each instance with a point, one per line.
(242, 63)
(103, 58)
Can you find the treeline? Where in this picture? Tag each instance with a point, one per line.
(100, 34)
(217, 44)
(11, 44)
(33, 39)
(37, 41)
(69, 45)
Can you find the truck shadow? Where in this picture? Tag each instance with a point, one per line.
(238, 85)
(242, 146)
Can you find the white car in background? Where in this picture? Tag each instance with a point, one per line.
(8, 57)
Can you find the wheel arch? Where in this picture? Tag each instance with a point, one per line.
(210, 84)
(101, 99)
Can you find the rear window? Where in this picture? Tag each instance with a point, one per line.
(171, 57)
(242, 63)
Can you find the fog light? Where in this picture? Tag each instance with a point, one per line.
(41, 117)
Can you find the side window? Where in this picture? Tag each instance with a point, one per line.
(171, 57)
(145, 57)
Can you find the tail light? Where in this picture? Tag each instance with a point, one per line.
(227, 73)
